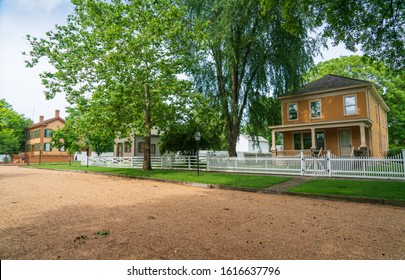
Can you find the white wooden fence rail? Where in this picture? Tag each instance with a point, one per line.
(327, 165)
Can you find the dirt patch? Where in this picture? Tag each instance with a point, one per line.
(62, 215)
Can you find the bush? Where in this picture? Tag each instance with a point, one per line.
(393, 151)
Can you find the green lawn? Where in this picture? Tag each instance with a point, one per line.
(356, 188)
(227, 179)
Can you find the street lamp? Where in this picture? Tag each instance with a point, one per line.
(197, 137)
(40, 153)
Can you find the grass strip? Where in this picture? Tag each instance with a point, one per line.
(356, 188)
(226, 179)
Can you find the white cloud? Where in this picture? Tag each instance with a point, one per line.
(41, 5)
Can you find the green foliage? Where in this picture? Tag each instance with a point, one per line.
(246, 49)
(390, 85)
(81, 133)
(263, 112)
(395, 150)
(378, 27)
(201, 115)
(12, 126)
(117, 63)
(102, 232)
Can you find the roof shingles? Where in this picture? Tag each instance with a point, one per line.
(330, 82)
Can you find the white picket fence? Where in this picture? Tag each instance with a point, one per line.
(165, 162)
(301, 164)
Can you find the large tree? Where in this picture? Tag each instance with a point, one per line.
(249, 49)
(377, 27)
(389, 84)
(12, 129)
(202, 115)
(118, 61)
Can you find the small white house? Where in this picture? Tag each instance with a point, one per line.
(246, 144)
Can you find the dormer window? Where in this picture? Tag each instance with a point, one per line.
(293, 111)
(350, 103)
(315, 107)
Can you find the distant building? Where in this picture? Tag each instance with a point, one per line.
(38, 140)
(247, 144)
(133, 146)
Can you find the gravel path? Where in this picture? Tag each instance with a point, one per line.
(55, 215)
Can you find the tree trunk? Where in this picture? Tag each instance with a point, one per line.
(147, 138)
(232, 139)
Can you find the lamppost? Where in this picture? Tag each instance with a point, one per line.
(197, 137)
(40, 153)
(87, 151)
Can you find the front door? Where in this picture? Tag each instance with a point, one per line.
(345, 142)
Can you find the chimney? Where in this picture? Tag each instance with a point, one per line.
(41, 118)
(56, 113)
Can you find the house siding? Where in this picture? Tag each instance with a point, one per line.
(379, 130)
(332, 108)
(366, 118)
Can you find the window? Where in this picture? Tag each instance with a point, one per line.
(297, 141)
(47, 147)
(62, 149)
(152, 148)
(140, 147)
(127, 147)
(293, 111)
(307, 141)
(302, 141)
(320, 140)
(48, 133)
(315, 107)
(350, 105)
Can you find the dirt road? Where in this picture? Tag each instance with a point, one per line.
(56, 215)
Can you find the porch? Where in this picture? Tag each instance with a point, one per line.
(341, 138)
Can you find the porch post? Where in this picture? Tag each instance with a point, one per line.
(273, 141)
(362, 136)
(313, 139)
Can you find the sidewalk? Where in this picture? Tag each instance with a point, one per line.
(283, 188)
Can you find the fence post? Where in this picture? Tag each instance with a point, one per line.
(329, 164)
(302, 163)
(208, 161)
(403, 160)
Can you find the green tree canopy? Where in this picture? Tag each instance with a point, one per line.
(390, 85)
(202, 115)
(264, 111)
(377, 27)
(12, 129)
(247, 49)
(117, 63)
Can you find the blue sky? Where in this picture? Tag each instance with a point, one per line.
(20, 86)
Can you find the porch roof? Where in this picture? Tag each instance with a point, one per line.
(308, 126)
